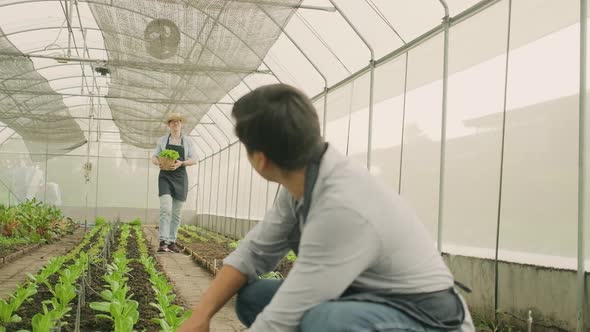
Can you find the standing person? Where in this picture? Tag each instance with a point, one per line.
(173, 182)
(365, 262)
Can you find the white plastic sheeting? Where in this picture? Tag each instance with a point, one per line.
(512, 58)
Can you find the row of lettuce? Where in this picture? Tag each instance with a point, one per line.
(72, 292)
(213, 247)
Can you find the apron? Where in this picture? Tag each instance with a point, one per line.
(440, 310)
(174, 183)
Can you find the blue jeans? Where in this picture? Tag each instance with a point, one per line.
(170, 210)
(333, 316)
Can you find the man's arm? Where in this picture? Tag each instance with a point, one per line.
(156, 153)
(258, 253)
(336, 247)
(227, 282)
(268, 242)
(189, 162)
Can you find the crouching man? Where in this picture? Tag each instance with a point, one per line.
(364, 260)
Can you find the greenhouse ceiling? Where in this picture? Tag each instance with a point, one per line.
(105, 70)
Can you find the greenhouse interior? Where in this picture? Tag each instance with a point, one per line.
(473, 112)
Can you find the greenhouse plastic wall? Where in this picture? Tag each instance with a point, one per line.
(118, 188)
(526, 75)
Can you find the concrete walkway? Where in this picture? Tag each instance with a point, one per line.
(191, 281)
(14, 272)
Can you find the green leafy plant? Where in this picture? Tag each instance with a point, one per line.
(170, 316)
(123, 311)
(169, 154)
(7, 314)
(100, 221)
(291, 257)
(271, 275)
(233, 245)
(8, 308)
(46, 321)
(135, 222)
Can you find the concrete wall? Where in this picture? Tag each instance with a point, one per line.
(230, 227)
(549, 293)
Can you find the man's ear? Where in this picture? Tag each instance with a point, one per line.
(259, 161)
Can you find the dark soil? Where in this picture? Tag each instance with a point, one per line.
(34, 305)
(139, 285)
(141, 288)
(284, 267)
(6, 250)
(210, 251)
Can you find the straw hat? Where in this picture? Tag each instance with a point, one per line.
(174, 116)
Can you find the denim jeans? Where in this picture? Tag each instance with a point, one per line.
(341, 316)
(170, 210)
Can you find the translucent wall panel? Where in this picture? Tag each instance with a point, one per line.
(319, 107)
(22, 174)
(339, 108)
(222, 116)
(540, 169)
(359, 120)
(338, 36)
(202, 186)
(245, 172)
(388, 115)
(317, 48)
(206, 186)
(66, 181)
(254, 197)
(222, 188)
(20, 178)
(233, 178)
(411, 19)
(371, 23)
(420, 168)
(190, 203)
(258, 203)
(474, 125)
(215, 181)
(291, 67)
(122, 183)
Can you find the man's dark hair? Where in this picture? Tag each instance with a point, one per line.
(280, 121)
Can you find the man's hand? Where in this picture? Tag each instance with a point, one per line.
(194, 325)
(155, 161)
(224, 286)
(176, 164)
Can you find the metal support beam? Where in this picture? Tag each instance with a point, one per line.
(198, 189)
(288, 5)
(184, 68)
(315, 67)
(238, 188)
(225, 216)
(583, 164)
(443, 132)
(501, 175)
(372, 80)
(216, 226)
(250, 196)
